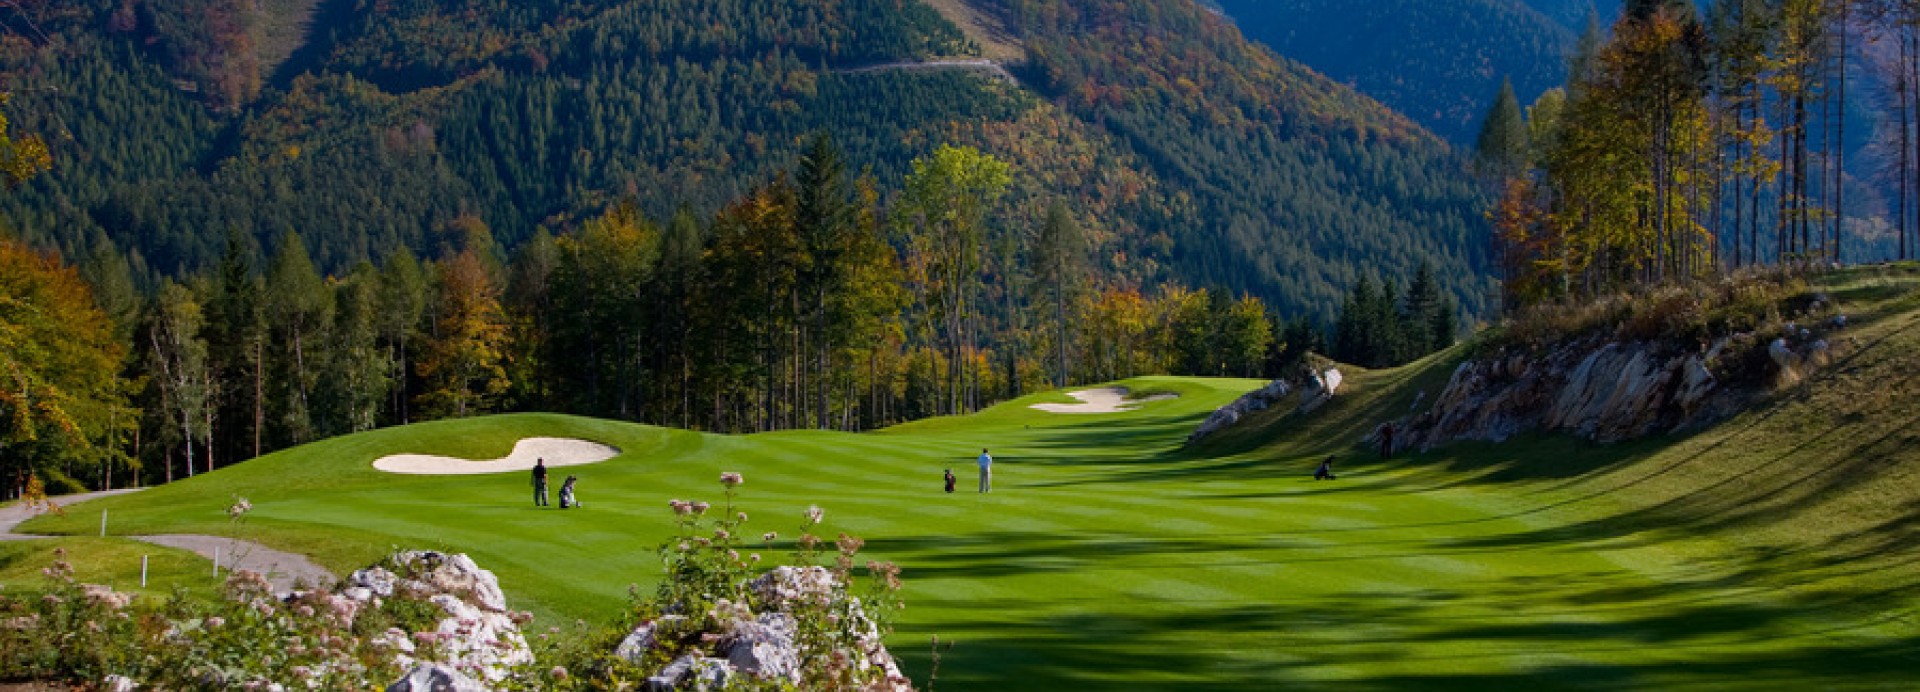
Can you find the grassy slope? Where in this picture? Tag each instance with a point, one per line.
(1775, 550)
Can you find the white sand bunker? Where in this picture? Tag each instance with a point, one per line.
(558, 451)
(1102, 400)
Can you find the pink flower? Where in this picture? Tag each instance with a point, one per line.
(215, 621)
(769, 536)
(721, 535)
(731, 479)
(700, 507)
(558, 673)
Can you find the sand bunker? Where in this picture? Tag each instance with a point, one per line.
(558, 451)
(1103, 400)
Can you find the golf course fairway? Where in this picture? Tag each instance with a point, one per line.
(1776, 550)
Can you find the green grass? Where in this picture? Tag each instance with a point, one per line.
(114, 562)
(1780, 549)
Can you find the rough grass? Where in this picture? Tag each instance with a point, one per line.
(1776, 550)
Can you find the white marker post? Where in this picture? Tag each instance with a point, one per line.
(216, 561)
(103, 523)
(143, 571)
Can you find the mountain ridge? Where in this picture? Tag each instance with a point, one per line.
(528, 115)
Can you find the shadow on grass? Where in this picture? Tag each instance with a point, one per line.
(1413, 640)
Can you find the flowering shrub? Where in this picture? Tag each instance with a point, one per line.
(710, 597)
(251, 638)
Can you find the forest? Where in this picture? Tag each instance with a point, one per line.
(801, 304)
(1224, 165)
(1436, 62)
(1686, 144)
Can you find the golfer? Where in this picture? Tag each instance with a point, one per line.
(539, 482)
(986, 471)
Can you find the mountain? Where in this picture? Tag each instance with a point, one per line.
(1193, 155)
(1440, 63)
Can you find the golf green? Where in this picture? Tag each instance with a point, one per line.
(1775, 550)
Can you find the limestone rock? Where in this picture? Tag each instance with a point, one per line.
(433, 572)
(1607, 391)
(642, 638)
(479, 639)
(691, 672)
(374, 580)
(1320, 389)
(435, 677)
(783, 584)
(766, 648)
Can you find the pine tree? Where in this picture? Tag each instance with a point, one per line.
(299, 307)
(1501, 152)
(1418, 313)
(403, 306)
(1059, 262)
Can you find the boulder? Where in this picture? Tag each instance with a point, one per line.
(783, 584)
(636, 644)
(375, 580)
(766, 648)
(435, 677)
(480, 640)
(433, 572)
(691, 672)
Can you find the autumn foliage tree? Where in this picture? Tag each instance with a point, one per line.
(62, 403)
(462, 368)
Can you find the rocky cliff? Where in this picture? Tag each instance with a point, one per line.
(1605, 389)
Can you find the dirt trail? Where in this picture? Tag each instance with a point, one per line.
(282, 569)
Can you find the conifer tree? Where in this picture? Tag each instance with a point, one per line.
(1501, 151)
(1060, 259)
(299, 307)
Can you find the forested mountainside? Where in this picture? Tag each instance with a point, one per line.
(1439, 63)
(1573, 14)
(1190, 155)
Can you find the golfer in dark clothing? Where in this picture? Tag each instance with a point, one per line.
(539, 482)
(1325, 472)
(1386, 441)
(951, 480)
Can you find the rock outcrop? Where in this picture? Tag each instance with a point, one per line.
(477, 642)
(1604, 390)
(1314, 386)
(763, 648)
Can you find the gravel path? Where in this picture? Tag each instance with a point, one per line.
(282, 569)
(16, 513)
